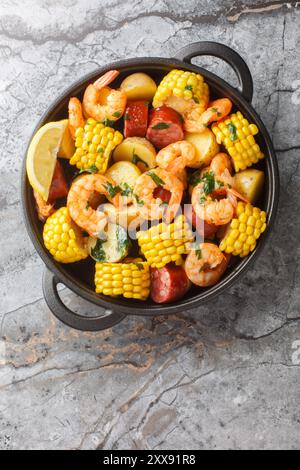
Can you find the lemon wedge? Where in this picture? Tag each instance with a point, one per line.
(42, 155)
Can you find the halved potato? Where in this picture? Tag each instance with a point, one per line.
(250, 183)
(206, 146)
(111, 247)
(67, 144)
(139, 86)
(125, 175)
(138, 151)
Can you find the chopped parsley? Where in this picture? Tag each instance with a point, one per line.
(163, 204)
(139, 266)
(98, 252)
(208, 183)
(100, 149)
(188, 87)
(117, 114)
(126, 190)
(202, 200)
(108, 122)
(198, 253)
(87, 206)
(92, 169)
(232, 129)
(112, 190)
(157, 180)
(136, 159)
(139, 201)
(161, 125)
(126, 117)
(194, 178)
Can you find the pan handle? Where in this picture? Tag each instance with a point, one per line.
(72, 319)
(225, 53)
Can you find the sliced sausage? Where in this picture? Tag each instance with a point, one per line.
(59, 187)
(162, 194)
(165, 127)
(204, 229)
(168, 284)
(136, 119)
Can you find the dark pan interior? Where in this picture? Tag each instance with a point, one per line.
(79, 276)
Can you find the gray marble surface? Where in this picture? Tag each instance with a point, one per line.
(223, 376)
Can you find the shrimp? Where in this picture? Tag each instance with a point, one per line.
(148, 206)
(76, 118)
(212, 210)
(44, 209)
(78, 202)
(221, 167)
(205, 266)
(196, 122)
(101, 102)
(175, 157)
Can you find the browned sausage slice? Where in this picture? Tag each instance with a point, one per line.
(165, 127)
(168, 284)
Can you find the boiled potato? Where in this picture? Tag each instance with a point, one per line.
(250, 183)
(206, 146)
(122, 216)
(111, 247)
(139, 86)
(138, 151)
(67, 145)
(125, 175)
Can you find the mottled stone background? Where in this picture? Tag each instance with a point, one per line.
(223, 376)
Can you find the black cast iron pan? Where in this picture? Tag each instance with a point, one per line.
(79, 276)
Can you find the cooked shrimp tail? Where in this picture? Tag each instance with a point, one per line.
(76, 118)
(106, 79)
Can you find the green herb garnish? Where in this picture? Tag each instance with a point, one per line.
(139, 266)
(157, 180)
(188, 87)
(117, 114)
(112, 190)
(163, 204)
(161, 125)
(100, 150)
(98, 253)
(194, 178)
(232, 129)
(202, 200)
(126, 117)
(108, 122)
(198, 253)
(136, 159)
(208, 183)
(87, 206)
(126, 190)
(92, 169)
(139, 201)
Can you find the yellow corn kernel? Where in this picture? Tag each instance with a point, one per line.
(242, 234)
(159, 250)
(131, 280)
(185, 85)
(94, 144)
(63, 238)
(236, 134)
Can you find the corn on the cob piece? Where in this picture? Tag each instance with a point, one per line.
(63, 238)
(94, 144)
(182, 84)
(236, 134)
(244, 231)
(164, 243)
(131, 280)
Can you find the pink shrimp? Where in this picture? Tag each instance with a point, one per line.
(205, 265)
(76, 118)
(196, 122)
(101, 102)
